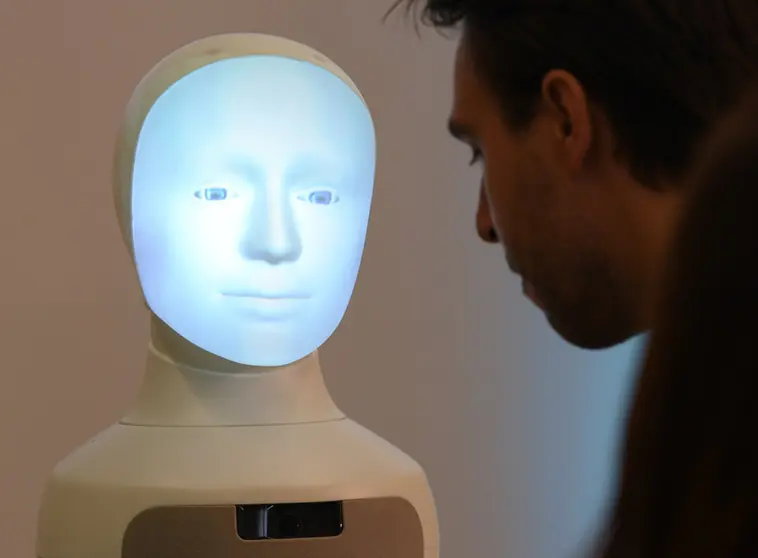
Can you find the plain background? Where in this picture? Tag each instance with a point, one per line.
(439, 353)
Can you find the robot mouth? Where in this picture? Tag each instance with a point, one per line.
(265, 305)
(259, 295)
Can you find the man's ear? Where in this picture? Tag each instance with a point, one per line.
(566, 104)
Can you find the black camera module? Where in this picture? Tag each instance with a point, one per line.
(289, 521)
(286, 527)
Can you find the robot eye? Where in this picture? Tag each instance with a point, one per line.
(319, 197)
(214, 194)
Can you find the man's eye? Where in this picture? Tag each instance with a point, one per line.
(214, 194)
(319, 197)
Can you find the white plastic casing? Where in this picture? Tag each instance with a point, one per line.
(208, 432)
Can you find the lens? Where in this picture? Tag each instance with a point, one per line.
(290, 526)
(289, 521)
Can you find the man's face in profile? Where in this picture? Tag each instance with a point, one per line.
(558, 209)
(251, 194)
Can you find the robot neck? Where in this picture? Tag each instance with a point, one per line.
(186, 386)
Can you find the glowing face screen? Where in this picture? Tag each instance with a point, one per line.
(251, 193)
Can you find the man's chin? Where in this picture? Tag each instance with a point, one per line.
(580, 329)
(588, 336)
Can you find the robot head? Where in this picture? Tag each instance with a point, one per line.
(244, 176)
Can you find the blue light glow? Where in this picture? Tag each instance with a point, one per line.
(251, 193)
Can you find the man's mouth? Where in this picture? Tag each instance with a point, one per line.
(528, 288)
(531, 293)
(511, 264)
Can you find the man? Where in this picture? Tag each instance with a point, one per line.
(585, 116)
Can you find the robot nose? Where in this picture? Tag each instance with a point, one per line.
(273, 234)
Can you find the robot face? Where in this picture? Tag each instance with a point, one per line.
(251, 192)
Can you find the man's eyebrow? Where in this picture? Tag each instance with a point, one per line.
(458, 130)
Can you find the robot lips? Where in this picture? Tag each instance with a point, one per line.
(268, 305)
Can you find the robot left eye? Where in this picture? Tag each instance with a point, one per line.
(319, 197)
(213, 194)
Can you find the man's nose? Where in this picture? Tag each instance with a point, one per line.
(485, 228)
(272, 234)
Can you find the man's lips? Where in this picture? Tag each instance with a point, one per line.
(528, 288)
(531, 293)
(511, 265)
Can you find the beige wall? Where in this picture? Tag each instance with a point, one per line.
(438, 352)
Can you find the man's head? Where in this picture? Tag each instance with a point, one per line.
(585, 115)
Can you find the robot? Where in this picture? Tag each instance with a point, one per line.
(243, 178)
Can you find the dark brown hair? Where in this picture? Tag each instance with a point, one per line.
(689, 485)
(660, 69)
